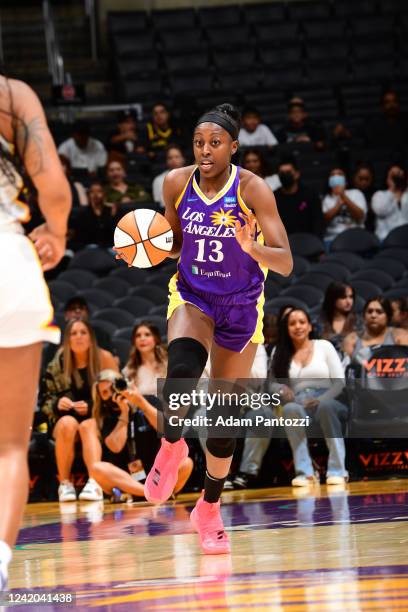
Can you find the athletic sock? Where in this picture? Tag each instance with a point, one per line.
(213, 488)
(5, 553)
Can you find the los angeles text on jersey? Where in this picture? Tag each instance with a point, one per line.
(194, 225)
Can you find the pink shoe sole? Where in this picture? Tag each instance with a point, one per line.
(216, 548)
(157, 493)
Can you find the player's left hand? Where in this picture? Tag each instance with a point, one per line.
(120, 255)
(49, 246)
(245, 234)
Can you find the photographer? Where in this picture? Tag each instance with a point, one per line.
(117, 421)
(391, 205)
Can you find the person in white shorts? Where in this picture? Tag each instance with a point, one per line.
(26, 314)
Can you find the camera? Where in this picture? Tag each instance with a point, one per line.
(119, 385)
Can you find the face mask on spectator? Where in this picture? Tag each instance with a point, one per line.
(337, 180)
(287, 179)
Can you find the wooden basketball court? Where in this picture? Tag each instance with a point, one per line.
(327, 549)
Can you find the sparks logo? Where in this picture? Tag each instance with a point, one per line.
(222, 217)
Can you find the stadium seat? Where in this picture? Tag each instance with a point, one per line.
(216, 16)
(366, 290)
(273, 306)
(382, 279)
(241, 81)
(229, 37)
(157, 295)
(192, 84)
(394, 253)
(373, 70)
(107, 326)
(62, 290)
(187, 62)
(121, 22)
(301, 11)
(325, 30)
(131, 46)
(125, 333)
(133, 276)
(148, 88)
(351, 9)
(159, 279)
(306, 245)
(352, 261)
(159, 310)
(177, 41)
(310, 295)
(397, 237)
(137, 67)
(356, 240)
(234, 61)
(281, 56)
(122, 348)
(316, 51)
(173, 20)
(315, 279)
(116, 316)
(269, 35)
(392, 267)
(264, 13)
(368, 50)
(95, 260)
(327, 72)
(115, 286)
(335, 269)
(396, 292)
(81, 279)
(372, 27)
(300, 265)
(137, 306)
(97, 297)
(271, 289)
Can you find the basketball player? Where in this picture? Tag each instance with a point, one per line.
(227, 233)
(26, 313)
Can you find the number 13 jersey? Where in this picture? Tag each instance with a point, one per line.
(211, 259)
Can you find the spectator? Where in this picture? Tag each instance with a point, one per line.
(68, 402)
(299, 207)
(112, 413)
(119, 191)
(253, 160)
(390, 206)
(390, 129)
(337, 318)
(270, 331)
(159, 130)
(343, 208)
(363, 180)
(302, 360)
(299, 128)
(377, 330)
(82, 151)
(78, 191)
(253, 133)
(125, 139)
(77, 308)
(400, 313)
(95, 224)
(174, 159)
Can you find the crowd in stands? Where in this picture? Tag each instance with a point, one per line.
(81, 393)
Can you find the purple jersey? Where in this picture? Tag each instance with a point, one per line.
(211, 259)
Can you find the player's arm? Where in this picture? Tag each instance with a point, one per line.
(275, 253)
(37, 150)
(173, 186)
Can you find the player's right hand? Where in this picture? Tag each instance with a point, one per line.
(120, 255)
(49, 246)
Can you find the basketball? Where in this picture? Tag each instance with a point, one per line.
(144, 238)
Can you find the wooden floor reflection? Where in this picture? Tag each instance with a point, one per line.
(325, 549)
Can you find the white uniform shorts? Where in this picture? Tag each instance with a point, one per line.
(26, 312)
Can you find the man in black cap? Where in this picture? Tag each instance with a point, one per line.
(77, 308)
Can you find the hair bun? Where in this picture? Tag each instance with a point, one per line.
(231, 111)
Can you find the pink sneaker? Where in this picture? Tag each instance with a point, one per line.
(162, 478)
(206, 520)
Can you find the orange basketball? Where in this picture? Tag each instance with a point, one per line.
(144, 238)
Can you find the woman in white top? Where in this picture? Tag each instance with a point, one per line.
(26, 313)
(343, 208)
(391, 205)
(316, 378)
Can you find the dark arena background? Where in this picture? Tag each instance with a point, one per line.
(323, 91)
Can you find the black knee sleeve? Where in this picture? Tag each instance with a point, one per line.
(186, 361)
(221, 447)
